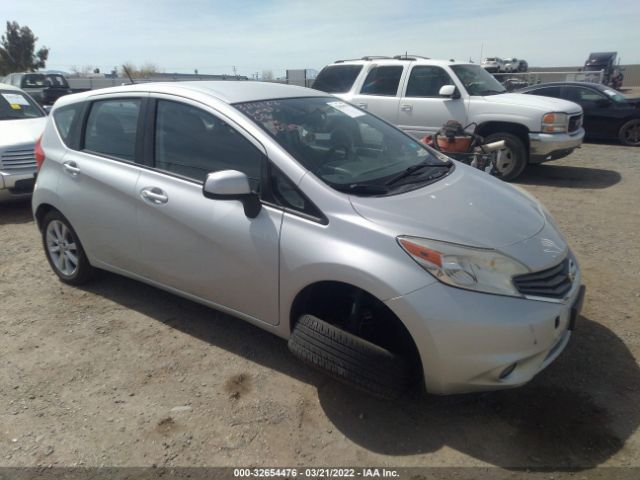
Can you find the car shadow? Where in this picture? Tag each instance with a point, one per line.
(567, 176)
(576, 414)
(15, 212)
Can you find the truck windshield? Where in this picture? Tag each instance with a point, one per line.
(15, 105)
(477, 81)
(347, 148)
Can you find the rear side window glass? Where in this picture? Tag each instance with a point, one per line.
(33, 80)
(337, 79)
(65, 118)
(192, 143)
(382, 81)
(426, 81)
(112, 127)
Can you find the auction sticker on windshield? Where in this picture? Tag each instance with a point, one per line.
(15, 100)
(353, 112)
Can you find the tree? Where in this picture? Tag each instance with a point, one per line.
(144, 71)
(267, 75)
(17, 50)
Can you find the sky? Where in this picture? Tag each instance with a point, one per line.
(215, 36)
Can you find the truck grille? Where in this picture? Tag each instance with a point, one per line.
(575, 122)
(21, 158)
(554, 282)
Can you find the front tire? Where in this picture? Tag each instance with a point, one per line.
(511, 161)
(64, 250)
(629, 133)
(349, 358)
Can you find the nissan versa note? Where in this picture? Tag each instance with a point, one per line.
(381, 261)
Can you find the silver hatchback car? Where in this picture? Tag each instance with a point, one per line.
(380, 260)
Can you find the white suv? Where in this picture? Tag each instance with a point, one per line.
(419, 95)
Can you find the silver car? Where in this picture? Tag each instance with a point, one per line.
(22, 121)
(381, 261)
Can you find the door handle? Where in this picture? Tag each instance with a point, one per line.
(71, 167)
(362, 105)
(406, 108)
(154, 195)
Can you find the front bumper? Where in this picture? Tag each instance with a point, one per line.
(551, 146)
(16, 185)
(467, 340)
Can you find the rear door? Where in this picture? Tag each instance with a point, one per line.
(98, 179)
(204, 247)
(422, 110)
(379, 92)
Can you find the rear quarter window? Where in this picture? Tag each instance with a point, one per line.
(337, 79)
(66, 120)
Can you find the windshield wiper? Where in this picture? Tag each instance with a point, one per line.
(415, 168)
(370, 188)
(491, 92)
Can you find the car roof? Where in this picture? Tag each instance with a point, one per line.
(597, 86)
(396, 61)
(228, 91)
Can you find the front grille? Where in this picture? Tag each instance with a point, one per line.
(22, 158)
(575, 122)
(555, 282)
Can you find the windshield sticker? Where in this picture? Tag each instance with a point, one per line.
(15, 106)
(349, 110)
(611, 93)
(15, 99)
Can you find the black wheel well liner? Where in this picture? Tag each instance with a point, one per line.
(42, 211)
(490, 127)
(329, 301)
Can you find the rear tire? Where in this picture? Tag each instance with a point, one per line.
(629, 133)
(64, 250)
(349, 358)
(513, 157)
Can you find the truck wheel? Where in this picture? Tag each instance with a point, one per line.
(512, 160)
(629, 133)
(64, 251)
(349, 358)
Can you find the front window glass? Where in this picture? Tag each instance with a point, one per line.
(337, 79)
(477, 80)
(426, 81)
(57, 81)
(192, 143)
(16, 105)
(347, 148)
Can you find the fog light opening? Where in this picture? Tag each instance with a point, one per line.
(508, 371)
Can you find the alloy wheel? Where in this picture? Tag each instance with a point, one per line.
(62, 248)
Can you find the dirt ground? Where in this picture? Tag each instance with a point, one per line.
(122, 374)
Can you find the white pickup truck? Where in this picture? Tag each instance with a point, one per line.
(419, 95)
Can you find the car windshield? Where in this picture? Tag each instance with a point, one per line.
(15, 105)
(349, 149)
(614, 95)
(477, 80)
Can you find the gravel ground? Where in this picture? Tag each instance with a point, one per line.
(122, 374)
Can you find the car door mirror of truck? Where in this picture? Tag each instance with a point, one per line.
(448, 91)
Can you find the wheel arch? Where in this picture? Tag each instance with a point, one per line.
(490, 127)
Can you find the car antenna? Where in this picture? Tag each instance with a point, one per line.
(126, 70)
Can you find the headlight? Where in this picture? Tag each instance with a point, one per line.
(478, 269)
(555, 122)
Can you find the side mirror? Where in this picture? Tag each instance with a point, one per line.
(232, 185)
(448, 91)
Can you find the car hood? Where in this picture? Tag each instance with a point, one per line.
(468, 207)
(546, 104)
(19, 132)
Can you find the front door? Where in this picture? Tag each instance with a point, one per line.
(203, 247)
(422, 109)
